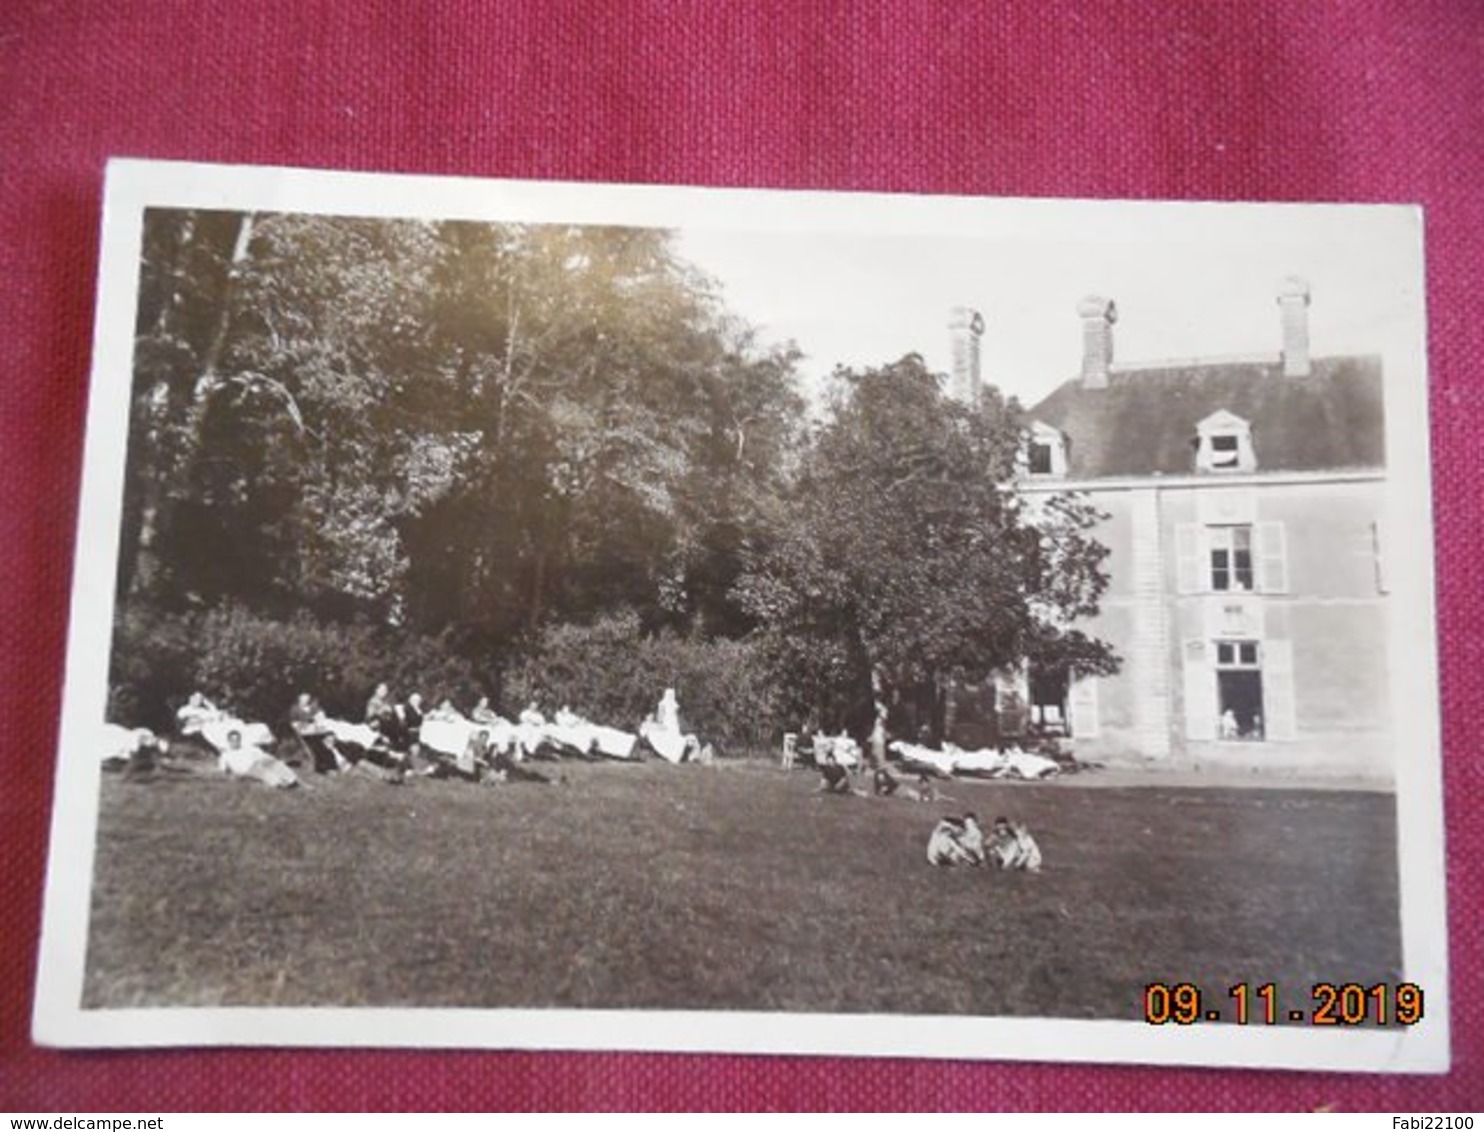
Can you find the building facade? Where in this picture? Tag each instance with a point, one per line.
(1247, 589)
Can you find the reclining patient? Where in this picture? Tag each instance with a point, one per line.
(445, 732)
(571, 730)
(135, 749)
(956, 841)
(469, 765)
(252, 762)
(199, 716)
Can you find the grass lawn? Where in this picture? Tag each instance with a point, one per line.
(732, 886)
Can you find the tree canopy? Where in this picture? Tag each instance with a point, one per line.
(904, 557)
(477, 432)
(471, 424)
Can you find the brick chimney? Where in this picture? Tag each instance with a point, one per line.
(965, 328)
(1098, 316)
(1293, 304)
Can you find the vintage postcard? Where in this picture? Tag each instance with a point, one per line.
(557, 616)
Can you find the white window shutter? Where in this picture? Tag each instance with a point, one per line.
(1188, 564)
(1083, 707)
(1378, 549)
(1272, 559)
(1280, 711)
(1200, 690)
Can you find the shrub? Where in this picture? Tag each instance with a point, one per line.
(257, 665)
(611, 672)
(151, 667)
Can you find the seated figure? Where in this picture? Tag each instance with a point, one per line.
(834, 778)
(381, 709)
(663, 734)
(956, 841)
(505, 767)
(530, 729)
(445, 712)
(196, 711)
(199, 716)
(313, 733)
(885, 783)
(1012, 846)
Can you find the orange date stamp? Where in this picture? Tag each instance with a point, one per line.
(1245, 1004)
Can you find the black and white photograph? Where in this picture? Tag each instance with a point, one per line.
(512, 615)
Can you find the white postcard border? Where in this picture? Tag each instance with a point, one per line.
(132, 185)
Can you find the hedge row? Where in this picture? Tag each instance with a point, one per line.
(609, 671)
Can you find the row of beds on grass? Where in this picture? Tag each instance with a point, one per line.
(396, 743)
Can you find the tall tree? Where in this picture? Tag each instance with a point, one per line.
(903, 558)
(452, 424)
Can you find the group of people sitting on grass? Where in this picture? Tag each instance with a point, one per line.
(398, 740)
(960, 841)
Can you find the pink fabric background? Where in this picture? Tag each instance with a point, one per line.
(1371, 100)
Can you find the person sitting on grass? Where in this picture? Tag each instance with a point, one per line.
(1012, 847)
(504, 767)
(834, 778)
(956, 841)
(254, 762)
(402, 726)
(470, 764)
(927, 791)
(307, 721)
(884, 783)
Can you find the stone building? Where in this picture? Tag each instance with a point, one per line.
(1248, 590)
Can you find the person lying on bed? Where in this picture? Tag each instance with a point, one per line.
(470, 765)
(485, 714)
(239, 761)
(445, 712)
(198, 716)
(195, 712)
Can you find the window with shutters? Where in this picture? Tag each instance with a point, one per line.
(1230, 550)
(1244, 558)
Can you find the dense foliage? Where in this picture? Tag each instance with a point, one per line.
(902, 558)
(613, 670)
(545, 461)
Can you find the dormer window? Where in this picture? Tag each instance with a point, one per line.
(1224, 444)
(1040, 458)
(1045, 451)
(1224, 454)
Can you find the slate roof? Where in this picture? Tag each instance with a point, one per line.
(1144, 422)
